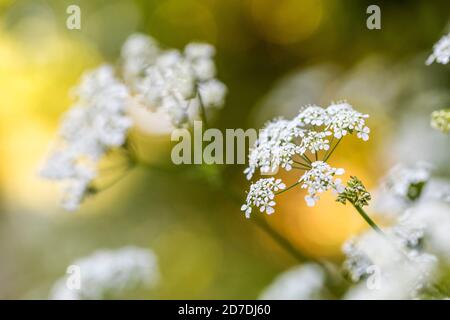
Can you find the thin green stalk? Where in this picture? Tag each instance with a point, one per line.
(366, 217)
(277, 237)
(302, 164)
(306, 158)
(300, 168)
(288, 188)
(203, 111)
(328, 155)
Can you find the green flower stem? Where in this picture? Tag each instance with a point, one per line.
(203, 111)
(366, 217)
(306, 159)
(302, 164)
(277, 237)
(288, 188)
(328, 155)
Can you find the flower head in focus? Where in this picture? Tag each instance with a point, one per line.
(261, 195)
(273, 148)
(306, 143)
(320, 178)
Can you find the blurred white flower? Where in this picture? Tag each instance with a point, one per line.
(182, 84)
(404, 267)
(319, 179)
(401, 186)
(261, 195)
(303, 282)
(138, 52)
(212, 93)
(435, 217)
(110, 274)
(441, 51)
(440, 120)
(436, 189)
(404, 282)
(96, 124)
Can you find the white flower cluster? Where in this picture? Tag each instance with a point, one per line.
(273, 148)
(281, 140)
(109, 274)
(441, 51)
(94, 125)
(138, 53)
(403, 185)
(320, 178)
(303, 282)
(404, 282)
(180, 83)
(261, 195)
(434, 216)
(340, 118)
(402, 267)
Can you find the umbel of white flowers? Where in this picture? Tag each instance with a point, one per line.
(109, 274)
(304, 143)
(95, 124)
(441, 51)
(181, 85)
(403, 262)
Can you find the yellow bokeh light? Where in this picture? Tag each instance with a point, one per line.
(286, 21)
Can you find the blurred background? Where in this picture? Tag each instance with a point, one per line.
(274, 56)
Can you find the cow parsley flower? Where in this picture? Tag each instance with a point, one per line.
(403, 268)
(290, 143)
(261, 195)
(138, 53)
(344, 119)
(303, 282)
(319, 179)
(407, 182)
(273, 148)
(398, 249)
(434, 216)
(182, 84)
(440, 120)
(97, 123)
(109, 274)
(404, 281)
(312, 115)
(314, 141)
(441, 51)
